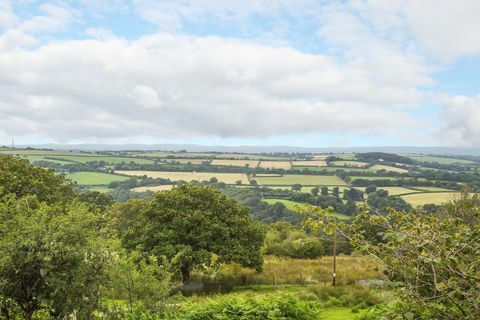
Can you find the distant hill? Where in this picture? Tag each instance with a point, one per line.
(259, 149)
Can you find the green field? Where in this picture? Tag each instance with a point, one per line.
(372, 178)
(441, 160)
(94, 178)
(393, 191)
(291, 206)
(306, 180)
(342, 163)
(419, 199)
(107, 159)
(330, 169)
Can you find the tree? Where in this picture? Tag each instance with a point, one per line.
(370, 189)
(336, 192)
(19, 177)
(253, 182)
(50, 256)
(433, 259)
(315, 191)
(192, 224)
(324, 191)
(213, 180)
(296, 187)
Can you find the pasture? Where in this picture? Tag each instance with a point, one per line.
(419, 199)
(306, 180)
(348, 163)
(291, 205)
(379, 167)
(228, 178)
(94, 178)
(186, 161)
(372, 178)
(310, 163)
(235, 163)
(440, 160)
(394, 191)
(286, 165)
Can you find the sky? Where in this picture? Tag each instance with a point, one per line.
(306, 73)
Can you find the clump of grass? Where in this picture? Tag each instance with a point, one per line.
(284, 271)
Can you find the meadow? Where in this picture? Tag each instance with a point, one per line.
(310, 163)
(379, 167)
(441, 160)
(94, 178)
(153, 189)
(228, 178)
(348, 163)
(419, 199)
(306, 180)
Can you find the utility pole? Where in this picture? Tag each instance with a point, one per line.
(334, 257)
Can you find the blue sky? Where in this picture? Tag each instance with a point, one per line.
(264, 72)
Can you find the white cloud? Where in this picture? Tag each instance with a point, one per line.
(461, 116)
(179, 86)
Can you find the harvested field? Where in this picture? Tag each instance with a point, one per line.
(154, 188)
(235, 163)
(310, 163)
(379, 167)
(228, 178)
(419, 199)
(275, 165)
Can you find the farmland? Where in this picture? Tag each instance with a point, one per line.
(235, 163)
(378, 167)
(229, 178)
(292, 205)
(94, 178)
(419, 199)
(441, 160)
(153, 189)
(349, 163)
(286, 165)
(311, 163)
(306, 180)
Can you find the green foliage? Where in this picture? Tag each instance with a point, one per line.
(251, 308)
(50, 257)
(284, 240)
(433, 259)
(192, 224)
(20, 178)
(139, 280)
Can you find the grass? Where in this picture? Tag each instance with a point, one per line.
(342, 163)
(432, 189)
(154, 189)
(186, 161)
(307, 180)
(419, 199)
(289, 271)
(42, 158)
(330, 169)
(107, 159)
(441, 160)
(275, 165)
(292, 204)
(235, 163)
(311, 163)
(228, 178)
(372, 178)
(379, 167)
(94, 178)
(394, 191)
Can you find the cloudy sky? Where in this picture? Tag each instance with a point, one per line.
(262, 72)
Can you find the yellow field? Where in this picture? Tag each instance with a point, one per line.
(276, 165)
(229, 178)
(154, 189)
(344, 163)
(311, 163)
(235, 163)
(419, 199)
(379, 167)
(393, 191)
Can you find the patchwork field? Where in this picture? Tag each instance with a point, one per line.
(342, 163)
(307, 180)
(275, 165)
(235, 163)
(310, 163)
(228, 178)
(68, 158)
(419, 199)
(94, 178)
(379, 167)
(153, 189)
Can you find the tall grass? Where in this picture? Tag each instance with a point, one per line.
(288, 271)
